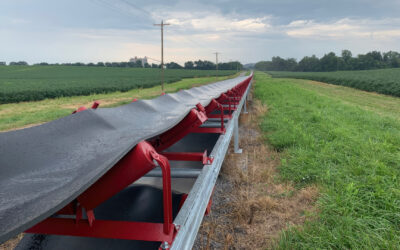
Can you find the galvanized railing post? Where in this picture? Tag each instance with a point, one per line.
(245, 105)
(236, 135)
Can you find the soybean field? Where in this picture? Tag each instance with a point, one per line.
(384, 81)
(33, 83)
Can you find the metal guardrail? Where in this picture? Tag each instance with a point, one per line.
(189, 218)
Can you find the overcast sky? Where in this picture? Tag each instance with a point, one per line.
(249, 31)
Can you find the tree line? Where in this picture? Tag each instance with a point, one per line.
(199, 64)
(332, 62)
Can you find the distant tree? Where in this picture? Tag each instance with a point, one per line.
(173, 65)
(153, 65)
(78, 64)
(392, 59)
(346, 61)
(346, 55)
(146, 65)
(329, 62)
(236, 65)
(3, 63)
(42, 64)
(309, 64)
(20, 63)
(291, 64)
(189, 65)
(139, 64)
(204, 65)
(91, 64)
(123, 64)
(100, 64)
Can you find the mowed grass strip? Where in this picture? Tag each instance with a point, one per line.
(381, 104)
(19, 115)
(384, 81)
(351, 154)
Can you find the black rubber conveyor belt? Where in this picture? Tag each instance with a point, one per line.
(45, 167)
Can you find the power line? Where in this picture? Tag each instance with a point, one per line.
(153, 59)
(136, 7)
(149, 14)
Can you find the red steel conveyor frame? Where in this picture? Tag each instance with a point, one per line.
(140, 160)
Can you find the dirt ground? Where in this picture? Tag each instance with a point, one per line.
(12, 243)
(250, 206)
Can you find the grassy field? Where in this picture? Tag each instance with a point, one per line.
(33, 83)
(384, 81)
(18, 115)
(347, 143)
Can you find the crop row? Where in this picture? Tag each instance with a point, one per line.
(32, 83)
(384, 81)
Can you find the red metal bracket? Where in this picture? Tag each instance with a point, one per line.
(208, 209)
(95, 105)
(130, 168)
(126, 230)
(189, 156)
(193, 120)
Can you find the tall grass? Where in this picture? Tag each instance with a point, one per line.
(353, 155)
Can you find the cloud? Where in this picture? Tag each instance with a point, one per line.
(346, 28)
(212, 22)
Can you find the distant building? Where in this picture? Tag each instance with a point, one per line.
(2, 63)
(135, 59)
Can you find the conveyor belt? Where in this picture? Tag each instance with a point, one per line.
(43, 168)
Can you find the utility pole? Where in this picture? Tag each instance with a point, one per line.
(216, 63)
(162, 24)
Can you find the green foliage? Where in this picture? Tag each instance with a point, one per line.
(331, 62)
(384, 81)
(32, 83)
(350, 153)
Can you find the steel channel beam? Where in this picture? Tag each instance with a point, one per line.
(176, 173)
(191, 215)
(217, 119)
(211, 125)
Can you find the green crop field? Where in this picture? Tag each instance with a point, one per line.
(347, 143)
(384, 81)
(32, 83)
(26, 114)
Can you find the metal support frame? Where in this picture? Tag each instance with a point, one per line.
(188, 156)
(134, 165)
(192, 212)
(95, 105)
(145, 157)
(176, 173)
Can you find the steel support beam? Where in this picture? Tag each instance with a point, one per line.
(176, 173)
(189, 218)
